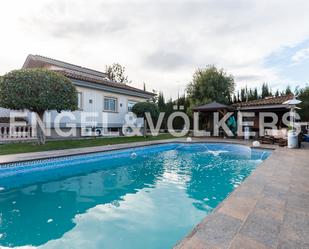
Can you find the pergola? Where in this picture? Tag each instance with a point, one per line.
(214, 107)
(209, 109)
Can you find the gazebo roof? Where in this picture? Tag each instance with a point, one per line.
(213, 106)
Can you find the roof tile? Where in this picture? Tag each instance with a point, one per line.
(76, 76)
(267, 101)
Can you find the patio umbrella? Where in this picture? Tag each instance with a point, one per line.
(292, 105)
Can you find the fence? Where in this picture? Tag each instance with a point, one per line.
(11, 133)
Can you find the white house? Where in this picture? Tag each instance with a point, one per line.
(96, 93)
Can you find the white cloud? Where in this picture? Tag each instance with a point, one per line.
(160, 42)
(300, 55)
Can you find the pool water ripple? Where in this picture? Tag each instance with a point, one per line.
(113, 199)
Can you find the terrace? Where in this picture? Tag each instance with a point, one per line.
(270, 209)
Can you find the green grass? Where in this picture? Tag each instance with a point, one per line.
(15, 148)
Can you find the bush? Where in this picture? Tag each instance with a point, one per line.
(37, 90)
(142, 107)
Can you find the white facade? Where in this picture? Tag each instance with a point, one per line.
(107, 100)
(4, 112)
(92, 101)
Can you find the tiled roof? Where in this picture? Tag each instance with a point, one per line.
(78, 73)
(106, 82)
(212, 106)
(42, 59)
(267, 101)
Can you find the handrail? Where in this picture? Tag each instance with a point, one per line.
(16, 132)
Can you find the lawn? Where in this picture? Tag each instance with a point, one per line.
(14, 148)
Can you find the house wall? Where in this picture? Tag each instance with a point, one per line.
(4, 112)
(93, 101)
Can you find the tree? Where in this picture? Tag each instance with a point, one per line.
(238, 97)
(243, 94)
(161, 102)
(288, 90)
(210, 84)
(116, 73)
(303, 95)
(255, 94)
(154, 98)
(266, 92)
(140, 110)
(181, 105)
(277, 93)
(37, 90)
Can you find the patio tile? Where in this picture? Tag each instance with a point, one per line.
(238, 207)
(291, 244)
(271, 207)
(194, 243)
(300, 186)
(243, 242)
(261, 228)
(275, 191)
(249, 189)
(295, 227)
(298, 201)
(218, 230)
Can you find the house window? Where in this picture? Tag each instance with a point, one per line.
(110, 104)
(130, 105)
(80, 100)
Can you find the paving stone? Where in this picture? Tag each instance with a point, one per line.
(261, 228)
(295, 227)
(275, 191)
(298, 201)
(218, 230)
(194, 243)
(290, 244)
(249, 189)
(271, 207)
(300, 186)
(242, 242)
(238, 207)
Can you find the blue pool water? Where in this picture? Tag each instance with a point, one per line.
(148, 197)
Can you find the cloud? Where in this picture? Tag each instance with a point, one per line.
(300, 56)
(160, 42)
(166, 60)
(71, 20)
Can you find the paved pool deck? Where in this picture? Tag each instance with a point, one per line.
(270, 209)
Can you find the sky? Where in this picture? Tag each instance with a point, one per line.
(162, 43)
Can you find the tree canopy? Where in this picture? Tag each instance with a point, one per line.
(210, 84)
(161, 102)
(303, 95)
(266, 91)
(140, 110)
(116, 73)
(142, 107)
(37, 90)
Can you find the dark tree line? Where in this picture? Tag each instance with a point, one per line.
(248, 94)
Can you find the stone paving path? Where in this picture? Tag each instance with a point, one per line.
(269, 210)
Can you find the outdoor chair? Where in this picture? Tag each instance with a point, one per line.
(268, 138)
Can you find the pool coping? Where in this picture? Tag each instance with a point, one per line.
(33, 156)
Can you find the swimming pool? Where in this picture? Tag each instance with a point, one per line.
(147, 197)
